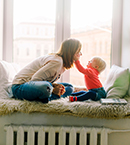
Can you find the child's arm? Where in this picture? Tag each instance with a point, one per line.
(81, 68)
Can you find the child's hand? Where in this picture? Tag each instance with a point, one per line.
(58, 89)
(77, 56)
(62, 90)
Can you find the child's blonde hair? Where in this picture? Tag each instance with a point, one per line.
(100, 63)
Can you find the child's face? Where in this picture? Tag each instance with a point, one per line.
(91, 63)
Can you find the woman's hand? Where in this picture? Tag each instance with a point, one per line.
(58, 89)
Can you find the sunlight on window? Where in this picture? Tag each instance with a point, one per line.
(86, 12)
(91, 24)
(25, 10)
(34, 29)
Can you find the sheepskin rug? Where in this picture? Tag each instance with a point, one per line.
(64, 107)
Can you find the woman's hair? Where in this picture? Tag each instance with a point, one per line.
(67, 51)
(100, 62)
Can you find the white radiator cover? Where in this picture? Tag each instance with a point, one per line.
(56, 135)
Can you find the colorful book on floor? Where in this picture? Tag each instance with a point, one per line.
(112, 101)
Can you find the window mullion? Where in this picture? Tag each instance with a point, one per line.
(117, 32)
(7, 30)
(62, 30)
(1, 27)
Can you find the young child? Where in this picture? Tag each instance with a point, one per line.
(91, 75)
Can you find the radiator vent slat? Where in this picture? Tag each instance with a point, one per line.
(72, 136)
(104, 137)
(30, 138)
(62, 136)
(53, 135)
(9, 136)
(83, 138)
(41, 136)
(20, 136)
(93, 137)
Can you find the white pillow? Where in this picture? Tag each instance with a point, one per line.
(7, 73)
(117, 82)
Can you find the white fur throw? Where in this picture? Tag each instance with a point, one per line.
(64, 107)
(116, 85)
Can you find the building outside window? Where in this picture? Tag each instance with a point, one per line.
(32, 27)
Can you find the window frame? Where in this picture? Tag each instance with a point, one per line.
(6, 30)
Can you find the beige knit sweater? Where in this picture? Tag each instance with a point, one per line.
(44, 68)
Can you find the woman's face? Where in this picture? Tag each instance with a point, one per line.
(77, 54)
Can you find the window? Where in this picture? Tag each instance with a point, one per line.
(91, 23)
(119, 36)
(34, 23)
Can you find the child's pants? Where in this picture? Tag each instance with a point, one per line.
(93, 94)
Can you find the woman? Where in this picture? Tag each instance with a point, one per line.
(35, 81)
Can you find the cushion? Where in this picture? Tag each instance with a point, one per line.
(7, 73)
(117, 82)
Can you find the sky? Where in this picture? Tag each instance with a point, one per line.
(90, 11)
(28, 9)
(82, 11)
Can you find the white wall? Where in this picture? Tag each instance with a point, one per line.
(125, 55)
(121, 33)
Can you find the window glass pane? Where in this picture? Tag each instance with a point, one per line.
(34, 29)
(91, 24)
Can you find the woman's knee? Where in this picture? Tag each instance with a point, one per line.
(41, 89)
(69, 90)
(46, 88)
(33, 90)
